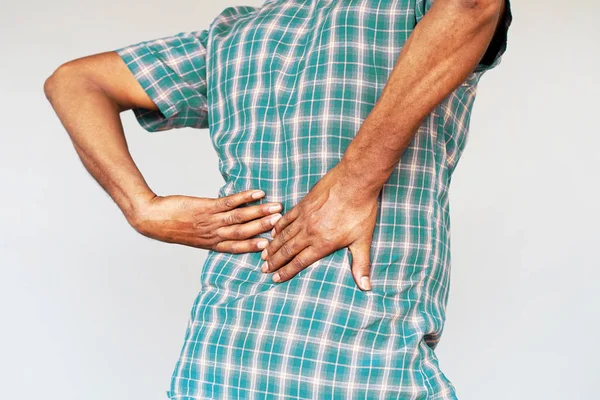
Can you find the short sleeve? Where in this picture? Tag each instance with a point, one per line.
(172, 71)
(497, 46)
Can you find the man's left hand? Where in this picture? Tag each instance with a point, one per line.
(337, 212)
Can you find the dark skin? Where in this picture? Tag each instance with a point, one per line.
(89, 93)
(447, 44)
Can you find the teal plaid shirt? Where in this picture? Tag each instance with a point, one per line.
(283, 88)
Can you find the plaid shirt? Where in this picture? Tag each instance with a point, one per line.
(283, 88)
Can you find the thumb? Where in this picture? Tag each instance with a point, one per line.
(361, 263)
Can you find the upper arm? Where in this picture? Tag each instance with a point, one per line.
(497, 46)
(107, 72)
(103, 71)
(162, 80)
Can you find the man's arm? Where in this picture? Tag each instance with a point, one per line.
(88, 94)
(440, 53)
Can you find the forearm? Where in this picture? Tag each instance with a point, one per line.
(440, 53)
(92, 120)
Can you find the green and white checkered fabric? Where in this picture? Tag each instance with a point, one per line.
(283, 88)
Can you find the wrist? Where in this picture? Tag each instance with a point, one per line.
(372, 155)
(355, 174)
(136, 205)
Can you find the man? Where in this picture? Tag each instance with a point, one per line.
(351, 117)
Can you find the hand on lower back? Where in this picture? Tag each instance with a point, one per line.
(216, 224)
(335, 213)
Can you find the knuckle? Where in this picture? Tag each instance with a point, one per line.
(311, 217)
(235, 216)
(329, 245)
(312, 230)
(228, 219)
(286, 249)
(226, 202)
(282, 234)
(237, 233)
(299, 263)
(312, 223)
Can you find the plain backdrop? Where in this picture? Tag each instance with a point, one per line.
(90, 309)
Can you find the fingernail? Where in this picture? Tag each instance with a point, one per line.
(258, 194)
(263, 255)
(274, 218)
(276, 278)
(275, 207)
(262, 244)
(273, 232)
(365, 282)
(265, 267)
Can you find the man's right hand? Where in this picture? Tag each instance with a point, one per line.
(216, 224)
(88, 94)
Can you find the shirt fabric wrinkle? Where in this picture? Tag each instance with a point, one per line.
(282, 89)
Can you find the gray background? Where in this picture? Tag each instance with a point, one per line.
(92, 310)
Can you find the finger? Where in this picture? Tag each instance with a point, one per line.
(288, 233)
(285, 253)
(287, 219)
(361, 263)
(245, 214)
(236, 199)
(248, 229)
(241, 246)
(302, 260)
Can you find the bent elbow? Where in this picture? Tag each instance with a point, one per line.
(50, 86)
(55, 80)
(66, 75)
